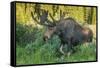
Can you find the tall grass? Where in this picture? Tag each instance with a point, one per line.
(36, 51)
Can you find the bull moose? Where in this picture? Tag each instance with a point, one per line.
(68, 30)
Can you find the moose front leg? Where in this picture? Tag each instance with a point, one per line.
(66, 48)
(62, 52)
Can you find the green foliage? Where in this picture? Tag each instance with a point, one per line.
(25, 33)
(39, 52)
(81, 14)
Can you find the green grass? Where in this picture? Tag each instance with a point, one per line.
(39, 52)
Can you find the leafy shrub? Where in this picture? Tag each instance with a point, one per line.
(25, 33)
